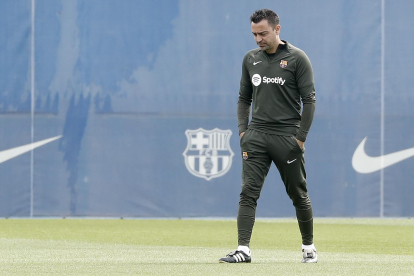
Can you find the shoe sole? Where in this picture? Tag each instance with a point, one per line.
(310, 261)
(224, 262)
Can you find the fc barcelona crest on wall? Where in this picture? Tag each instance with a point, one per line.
(208, 153)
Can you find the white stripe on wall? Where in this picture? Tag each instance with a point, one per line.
(382, 106)
(32, 103)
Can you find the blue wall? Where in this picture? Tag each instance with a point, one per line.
(122, 82)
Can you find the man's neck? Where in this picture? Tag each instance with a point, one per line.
(273, 50)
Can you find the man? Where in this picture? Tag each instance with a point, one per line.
(276, 77)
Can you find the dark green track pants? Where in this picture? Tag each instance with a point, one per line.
(258, 150)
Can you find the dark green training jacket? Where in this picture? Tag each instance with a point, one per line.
(277, 85)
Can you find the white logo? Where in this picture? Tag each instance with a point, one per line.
(256, 79)
(254, 63)
(14, 152)
(208, 153)
(277, 80)
(239, 257)
(291, 161)
(363, 163)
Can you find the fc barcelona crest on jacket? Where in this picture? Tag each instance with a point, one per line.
(283, 63)
(208, 153)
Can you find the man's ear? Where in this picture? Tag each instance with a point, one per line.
(277, 29)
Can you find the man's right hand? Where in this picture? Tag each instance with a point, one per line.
(241, 135)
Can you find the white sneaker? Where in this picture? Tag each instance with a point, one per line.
(309, 256)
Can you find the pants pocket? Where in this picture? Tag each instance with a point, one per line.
(244, 136)
(297, 145)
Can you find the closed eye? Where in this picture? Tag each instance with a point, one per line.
(261, 33)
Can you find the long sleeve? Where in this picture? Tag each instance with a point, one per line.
(243, 114)
(309, 103)
(245, 98)
(305, 82)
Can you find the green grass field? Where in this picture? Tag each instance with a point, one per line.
(193, 247)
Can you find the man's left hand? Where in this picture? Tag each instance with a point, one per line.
(300, 143)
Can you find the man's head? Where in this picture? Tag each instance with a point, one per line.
(265, 14)
(266, 29)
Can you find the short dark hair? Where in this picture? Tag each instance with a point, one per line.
(265, 14)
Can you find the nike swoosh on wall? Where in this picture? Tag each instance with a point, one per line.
(363, 163)
(14, 152)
